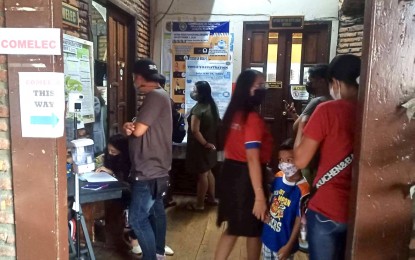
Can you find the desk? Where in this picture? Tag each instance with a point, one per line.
(113, 191)
(113, 227)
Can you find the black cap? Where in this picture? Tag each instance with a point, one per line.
(148, 69)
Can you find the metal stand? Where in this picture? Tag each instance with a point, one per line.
(80, 220)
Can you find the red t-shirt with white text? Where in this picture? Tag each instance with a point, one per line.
(332, 124)
(251, 134)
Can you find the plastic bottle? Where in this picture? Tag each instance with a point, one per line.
(104, 80)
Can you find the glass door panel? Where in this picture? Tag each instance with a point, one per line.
(272, 57)
(296, 52)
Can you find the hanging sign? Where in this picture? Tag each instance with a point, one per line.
(35, 41)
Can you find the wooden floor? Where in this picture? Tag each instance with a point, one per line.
(192, 236)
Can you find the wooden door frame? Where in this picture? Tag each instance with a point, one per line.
(284, 54)
(130, 21)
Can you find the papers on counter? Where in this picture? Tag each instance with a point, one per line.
(96, 177)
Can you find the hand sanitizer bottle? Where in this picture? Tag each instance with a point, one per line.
(104, 80)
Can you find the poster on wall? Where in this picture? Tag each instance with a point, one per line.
(219, 76)
(42, 104)
(79, 72)
(192, 41)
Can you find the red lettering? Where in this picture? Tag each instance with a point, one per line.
(21, 43)
(12, 44)
(44, 44)
(52, 44)
(30, 44)
(37, 45)
(4, 44)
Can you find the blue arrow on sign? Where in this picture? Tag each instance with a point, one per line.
(44, 120)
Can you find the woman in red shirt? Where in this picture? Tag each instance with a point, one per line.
(248, 147)
(330, 129)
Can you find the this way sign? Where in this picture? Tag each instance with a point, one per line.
(42, 104)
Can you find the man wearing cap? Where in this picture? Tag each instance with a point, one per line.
(150, 148)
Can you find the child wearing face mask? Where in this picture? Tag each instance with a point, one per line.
(280, 233)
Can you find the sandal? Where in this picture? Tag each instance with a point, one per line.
(193, 207)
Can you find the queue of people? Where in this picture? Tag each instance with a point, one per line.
(268, 212)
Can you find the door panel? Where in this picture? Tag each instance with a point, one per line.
(120, 61)
(283, 56)
(255, 47)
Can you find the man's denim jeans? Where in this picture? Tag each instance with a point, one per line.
(326, 238)
(148, 218)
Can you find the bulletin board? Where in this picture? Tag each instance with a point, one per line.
(79, 74)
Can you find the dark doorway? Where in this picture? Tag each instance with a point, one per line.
(285, 56)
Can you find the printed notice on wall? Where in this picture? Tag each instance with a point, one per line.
(78, 68)
(219, 76)
(42, 104)
(192, 41)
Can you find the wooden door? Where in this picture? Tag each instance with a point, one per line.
(120, 60)
(277, 54)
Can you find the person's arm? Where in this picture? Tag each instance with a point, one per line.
(195, 126)
(296, 123)
(255, 174)
(139, 129)
(304, 147)
(286, 250)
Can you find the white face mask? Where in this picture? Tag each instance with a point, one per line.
(288, 169)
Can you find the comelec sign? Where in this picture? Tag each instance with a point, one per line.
(35, 41)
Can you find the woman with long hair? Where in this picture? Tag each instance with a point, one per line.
(201, 153)
(248, 148)
(330, 130)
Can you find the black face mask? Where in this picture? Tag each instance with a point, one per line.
(258, 97)
(194, 96)
(309, 88)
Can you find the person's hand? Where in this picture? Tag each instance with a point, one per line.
(267, 217)
(260, 209)
(103, 169)
(284, 252)
(290, 108)
(128, 128)
(210, 146)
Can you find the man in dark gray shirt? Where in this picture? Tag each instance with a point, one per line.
(318, 87)
(150, 148)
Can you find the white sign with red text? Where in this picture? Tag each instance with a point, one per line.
(42, 104)
(34, 41)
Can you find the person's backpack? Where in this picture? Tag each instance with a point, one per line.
(179, 129)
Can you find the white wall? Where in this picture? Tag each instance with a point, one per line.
(239, 11)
